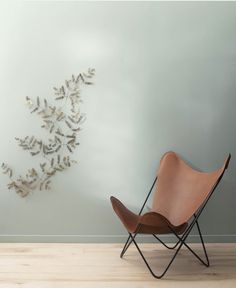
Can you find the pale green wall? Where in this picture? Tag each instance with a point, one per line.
(166, 80)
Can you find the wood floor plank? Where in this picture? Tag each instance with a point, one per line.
(98, 265)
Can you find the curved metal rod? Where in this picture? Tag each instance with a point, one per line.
(189, 248)
(181, 241)
(164, 244)
(145, 261)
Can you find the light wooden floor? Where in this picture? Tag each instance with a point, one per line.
(99, 265)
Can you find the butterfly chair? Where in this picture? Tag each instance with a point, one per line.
(180, 197)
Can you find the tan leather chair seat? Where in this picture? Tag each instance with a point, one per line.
(180, 191)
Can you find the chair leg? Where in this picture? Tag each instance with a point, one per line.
(127, 244)
(182, 240)
(203, 245)
(148, 266)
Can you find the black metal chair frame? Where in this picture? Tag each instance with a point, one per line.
(180, 239)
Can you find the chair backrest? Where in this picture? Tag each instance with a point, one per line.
(181, 190)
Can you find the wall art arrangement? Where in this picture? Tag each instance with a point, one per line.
(62, 119)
